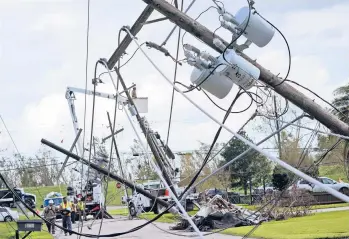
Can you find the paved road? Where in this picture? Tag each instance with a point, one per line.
(121, 224)
(330, 209)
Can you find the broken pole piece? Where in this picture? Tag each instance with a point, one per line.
(106, 172)
(116, 132)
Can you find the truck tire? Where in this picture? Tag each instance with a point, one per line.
(345, 191)
(132, 210)
(8, 219)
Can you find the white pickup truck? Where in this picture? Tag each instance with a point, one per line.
(139, 203)
(339, 186)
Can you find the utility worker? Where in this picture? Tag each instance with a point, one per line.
(81, 210)
(50, 216)
(66, 216)
(73, 213)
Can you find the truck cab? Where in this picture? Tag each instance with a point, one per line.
(57, 199)
(139, 203)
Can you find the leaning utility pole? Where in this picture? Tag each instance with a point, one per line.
(149, 135)
(201, 32)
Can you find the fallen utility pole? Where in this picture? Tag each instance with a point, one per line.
(71, 150)
(137, 26)
(105, 172)
(149, 136)
(299, 99)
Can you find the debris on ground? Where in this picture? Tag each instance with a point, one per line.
(218, 214)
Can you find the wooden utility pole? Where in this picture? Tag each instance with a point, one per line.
(149, 136)
(201, 32)
(137, 26)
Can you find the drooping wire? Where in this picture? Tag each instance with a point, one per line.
(128, 60)
(174, 80)
(241, 33)
(221, 108)
(212, 144)
(288, 48)
(292, 182)
(328, 103)
(211, 7)
(86, 79)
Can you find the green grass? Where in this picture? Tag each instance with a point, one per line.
(333, 171)
(324, 206)
(320, 225)
(7, 230)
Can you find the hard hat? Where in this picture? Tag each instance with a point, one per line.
(50, 202)
(68, 209)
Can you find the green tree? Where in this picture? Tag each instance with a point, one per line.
(191, 163)
(341, 102)
(140, 164)
(253, 166)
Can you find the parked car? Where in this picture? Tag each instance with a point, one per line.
(339, 186)
(210, 193)
(269, 188)
(8, 215)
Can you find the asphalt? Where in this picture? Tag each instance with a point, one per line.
(121, 224)
(330, 209)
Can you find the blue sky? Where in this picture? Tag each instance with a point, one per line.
(43, 50)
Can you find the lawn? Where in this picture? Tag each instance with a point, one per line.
(336, 205)
(320, 225)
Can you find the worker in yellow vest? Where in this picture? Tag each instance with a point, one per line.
(66, 208)
(81, 209)
(74, 210)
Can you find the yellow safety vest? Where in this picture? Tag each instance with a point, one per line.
(81, 205)
(64, 206)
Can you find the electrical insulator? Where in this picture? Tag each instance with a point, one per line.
(230, 18)
(193, 62)
(208, 57)
(228, 25)
(191, 48)
(257, 31)
(218, 43)
(202, 63)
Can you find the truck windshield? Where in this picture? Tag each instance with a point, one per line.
(56, 201)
